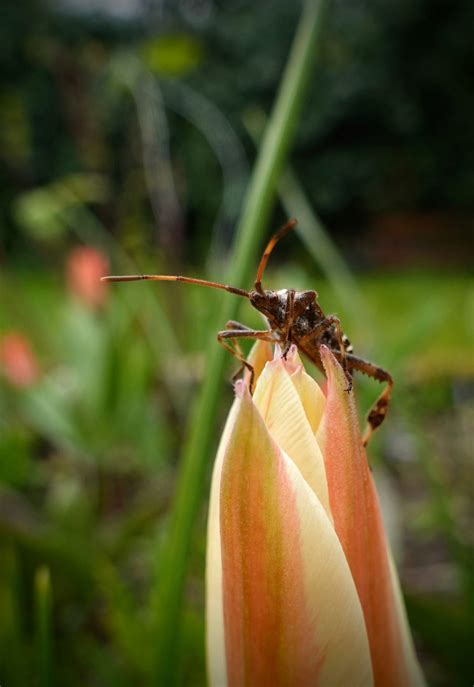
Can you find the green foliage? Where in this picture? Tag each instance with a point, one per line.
(172, 55)
(43, 212)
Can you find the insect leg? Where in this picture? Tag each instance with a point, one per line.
(232, 324)
(242, 333)
(325, 323)
(379, 410)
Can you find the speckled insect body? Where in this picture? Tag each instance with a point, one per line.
(293, 317)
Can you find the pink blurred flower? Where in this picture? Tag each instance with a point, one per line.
(17, 360)
(301, 588)
(85, 267)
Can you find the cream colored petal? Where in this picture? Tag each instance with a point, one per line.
(282, 410)
(292, 614)
(216, 661)
(309, 391)
(311, 396)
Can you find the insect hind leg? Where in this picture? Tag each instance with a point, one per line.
(379, 409)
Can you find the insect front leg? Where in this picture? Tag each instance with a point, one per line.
(240, 331)
(236, 351)
(379, 410)
(234, 325)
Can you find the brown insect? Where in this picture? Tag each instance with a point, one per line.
(294, 317)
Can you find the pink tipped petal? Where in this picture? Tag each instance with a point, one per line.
(277, 399)
(291, 612)
(358, 523)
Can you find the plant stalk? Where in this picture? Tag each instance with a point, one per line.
(198, 449)
(43, 617)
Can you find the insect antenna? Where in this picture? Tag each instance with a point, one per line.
(173, 277)
(283, 231)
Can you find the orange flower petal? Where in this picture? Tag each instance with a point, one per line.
(358, 523)
(17, 360)
(291, 612)
(85, 266)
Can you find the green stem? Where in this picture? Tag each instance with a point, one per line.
(278, 136)
(43, 617)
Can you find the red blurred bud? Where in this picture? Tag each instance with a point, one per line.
(17, 360)
(85, 267)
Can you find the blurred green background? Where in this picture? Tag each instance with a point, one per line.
(128, 131)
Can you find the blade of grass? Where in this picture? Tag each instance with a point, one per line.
(167, 602)
(43, 620)
(13, 666)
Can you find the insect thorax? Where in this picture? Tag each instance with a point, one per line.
(281, 306)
